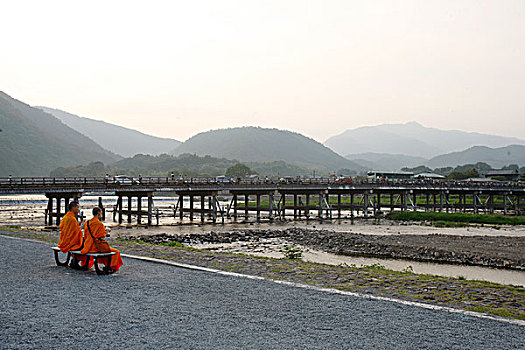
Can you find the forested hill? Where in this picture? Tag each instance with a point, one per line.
(495, 157)
(117, 139)
(266, 145)
(32, 142)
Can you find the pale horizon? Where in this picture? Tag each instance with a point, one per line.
(317, 68)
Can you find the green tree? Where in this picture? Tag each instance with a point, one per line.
(238, 170)
(511, 167)
(443, 171)
(418, 170)
(462, 175)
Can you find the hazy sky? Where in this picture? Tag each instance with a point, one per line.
(175, 68)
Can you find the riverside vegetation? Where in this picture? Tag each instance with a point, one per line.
(465, 218)
(496, 299)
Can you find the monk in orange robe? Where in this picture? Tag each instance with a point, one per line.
(95, 229)
(71, 237)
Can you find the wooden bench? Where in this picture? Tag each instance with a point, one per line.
(75, 263)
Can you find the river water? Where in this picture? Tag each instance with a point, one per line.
(28, 211)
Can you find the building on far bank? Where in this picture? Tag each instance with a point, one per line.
(508, 175)
(389, 175)
(429, 176)
(479, 179)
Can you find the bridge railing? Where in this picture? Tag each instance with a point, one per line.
(111, 183)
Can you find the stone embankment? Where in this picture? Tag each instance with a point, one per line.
(501, 252)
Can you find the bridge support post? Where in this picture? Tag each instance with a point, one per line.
(235, 207)
(150, 208)
(320, 207)
(56, 198)
(139, 210)
(202, 207)
(101, 206)
(181, 207)
(246, 206)
(339, 206)
(352, 205)
(307, 210)
(49, 212)
(271, 208)
(191, 207)
(258, 196)
(295, 206)
(130, 211)
(365, 205)
(119, 209)
(214, 208)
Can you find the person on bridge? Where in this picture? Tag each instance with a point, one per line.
(94, 229)
(71, 237)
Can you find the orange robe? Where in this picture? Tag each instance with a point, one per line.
(99, 231)
(70, 233)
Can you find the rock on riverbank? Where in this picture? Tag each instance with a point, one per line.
(501, 252)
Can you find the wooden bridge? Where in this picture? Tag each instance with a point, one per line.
(274, 198)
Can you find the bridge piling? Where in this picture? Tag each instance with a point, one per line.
(454, 196)
(129, 211)
(56, 198)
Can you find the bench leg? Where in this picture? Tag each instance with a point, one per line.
(75, 263)
(108, 266)
(60, 263)
(97, 268)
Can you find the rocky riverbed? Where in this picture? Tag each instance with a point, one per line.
(494, 251)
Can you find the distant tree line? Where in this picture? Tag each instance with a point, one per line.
(188, 165)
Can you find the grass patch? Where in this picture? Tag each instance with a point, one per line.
(498, 311)
(451, 218)
(10, 227)
(441, 223)
(292, 252)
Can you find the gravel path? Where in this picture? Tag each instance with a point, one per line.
(158, 306)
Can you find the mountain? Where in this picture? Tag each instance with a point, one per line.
(412, 139)
(385, 161)
(495, 157)
(32, 142)
(265, 145)
(117, 139)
